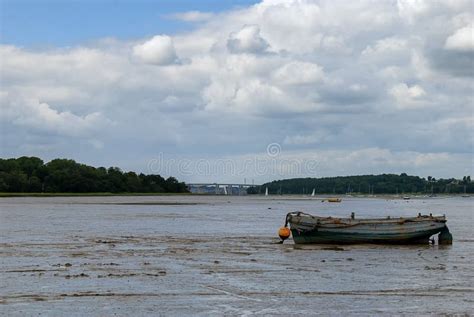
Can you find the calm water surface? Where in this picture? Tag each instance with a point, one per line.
(217, 255)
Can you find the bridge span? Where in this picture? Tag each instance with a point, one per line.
(219, 188)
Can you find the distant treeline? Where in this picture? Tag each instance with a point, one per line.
(368, 184)
(32, 175)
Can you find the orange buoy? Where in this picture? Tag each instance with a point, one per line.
(284, 233)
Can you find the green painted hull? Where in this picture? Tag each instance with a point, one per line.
(320, 237)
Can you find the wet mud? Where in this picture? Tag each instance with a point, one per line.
(219, 256)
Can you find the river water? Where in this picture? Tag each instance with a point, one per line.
(217, 255)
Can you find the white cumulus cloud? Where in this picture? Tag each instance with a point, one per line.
(461, 40)
(159, 50)
(39, 116)
(408, 96)
(247, 40)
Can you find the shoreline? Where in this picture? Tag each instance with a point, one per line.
(319, 196)
(87, 194)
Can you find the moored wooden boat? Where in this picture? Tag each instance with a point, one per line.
(306, 228)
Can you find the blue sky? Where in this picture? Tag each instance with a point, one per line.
(65, 23)
(333, 87)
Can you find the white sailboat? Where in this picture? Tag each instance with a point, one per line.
(266, 191)
(314, 192)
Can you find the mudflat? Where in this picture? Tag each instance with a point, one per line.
(215, 255)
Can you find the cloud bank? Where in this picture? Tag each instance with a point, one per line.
(367, 84)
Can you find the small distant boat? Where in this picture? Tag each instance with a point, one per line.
(266, 191)
(314, 192)
(334, 200)
(306, 228)
(406, 198)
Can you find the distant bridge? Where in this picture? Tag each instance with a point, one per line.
(219, 188)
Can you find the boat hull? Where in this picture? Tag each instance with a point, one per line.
(316, 230)
(321, 237)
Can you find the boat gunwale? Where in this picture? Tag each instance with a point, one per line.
(350, 221)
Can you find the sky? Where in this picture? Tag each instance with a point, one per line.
(233, 91)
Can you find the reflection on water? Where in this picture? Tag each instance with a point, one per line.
(214, 255)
